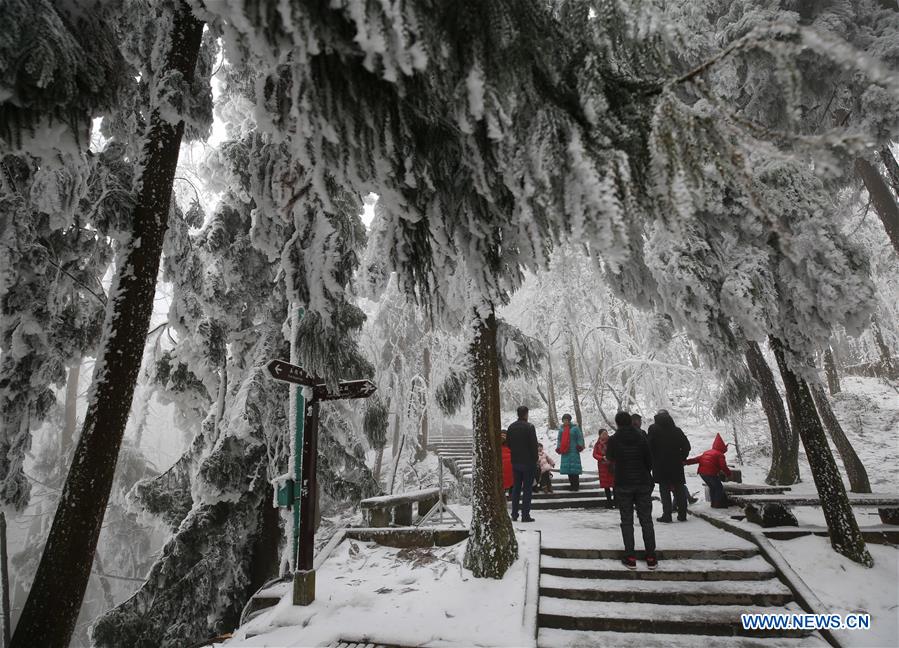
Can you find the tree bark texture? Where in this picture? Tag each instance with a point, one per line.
(424, 432)
(886, 356)
(883, 200)
(784, 468)
(831, 372)
(4, 580)
(51, 610)
(855, 470)
(492, 547)
(572, 375)
(892, 168)
(842, 526)
(552, 415)
(71, 411)
(376, 470)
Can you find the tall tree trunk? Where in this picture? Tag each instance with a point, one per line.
(4, 580)
(892, 168)
(100, 572)
(425, 421)
(71, 411)
(396, 389)
(884, 203)
(855, 470)
(51, 610)
(831, 372)
(492, 547)
(784, 468)
(572, 375)
(552, 416)
(733, 425)
(886, 357)
(376, 470)
(845, 536)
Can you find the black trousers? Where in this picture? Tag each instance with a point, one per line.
(666, 490)
(628, 498)
(546, 478)
(574, 482)
(522, 488)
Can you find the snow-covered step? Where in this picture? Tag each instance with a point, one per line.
(571, 614)
(736, 553)
(583, 480)
(557, 638)
(566, 494)
(765, 592)
(748, 569)
(569, 503)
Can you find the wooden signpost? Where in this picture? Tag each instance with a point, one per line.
(300, 492)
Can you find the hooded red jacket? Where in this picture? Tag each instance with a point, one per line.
(711, 462)
(508, 478)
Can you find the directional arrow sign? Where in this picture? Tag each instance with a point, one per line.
(286, 372)
(345, 389)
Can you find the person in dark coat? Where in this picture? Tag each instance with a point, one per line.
(637, 424)
(669, 447)
(629, 450)
(522, 439)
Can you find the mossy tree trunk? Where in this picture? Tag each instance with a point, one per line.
(842, 526)
(784, 468)
(492, 547)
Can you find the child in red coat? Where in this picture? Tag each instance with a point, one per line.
(603, 466)
(508, 479)
(711, 464)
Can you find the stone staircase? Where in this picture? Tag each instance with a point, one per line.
(694, 598)
(589, 494)
(453, 447)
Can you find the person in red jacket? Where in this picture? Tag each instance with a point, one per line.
(604, 466)
(508, 480)
(711, 464)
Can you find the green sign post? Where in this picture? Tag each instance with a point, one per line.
(300, 491)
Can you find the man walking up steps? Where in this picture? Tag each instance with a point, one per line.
(522, 439)
(629, 449)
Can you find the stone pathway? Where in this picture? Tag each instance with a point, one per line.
(706, 579)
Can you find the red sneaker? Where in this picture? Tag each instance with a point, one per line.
(651, 561)
(630, 562)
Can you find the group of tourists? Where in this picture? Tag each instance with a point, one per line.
(630, 462)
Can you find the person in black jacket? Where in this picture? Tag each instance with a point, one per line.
(522, 439)
(669, 447)
(629, 450)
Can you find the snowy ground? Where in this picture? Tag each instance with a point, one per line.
(424, 597)
(412, 597)
(844, 586)
(599, 529)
